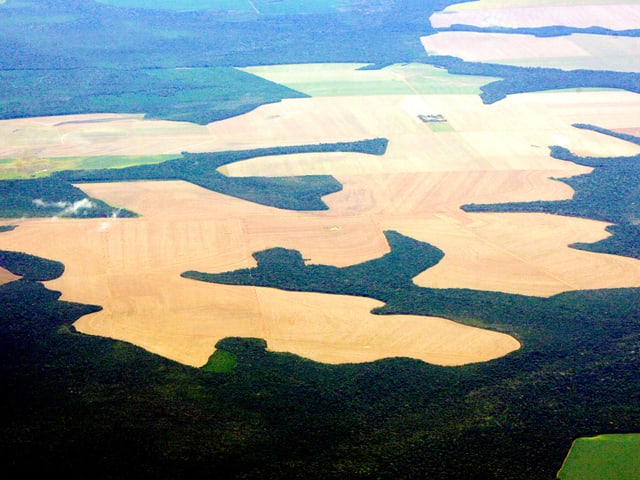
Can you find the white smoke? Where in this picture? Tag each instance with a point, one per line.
(41, 203)
(67, 208)
(75, 207)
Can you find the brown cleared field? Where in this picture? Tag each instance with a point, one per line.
(493, 153)
(577, 51)
(6, 276)
(339, 329)
(520, 253)
(132, 268)
(612, 14)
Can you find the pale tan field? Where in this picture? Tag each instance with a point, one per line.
(509, 135)
(612, 14)
(533, 126)
(527, 250)
(342, 329)
(577, 51)
(95, 134)
(131, 267)
(495, 153)
(517, 253)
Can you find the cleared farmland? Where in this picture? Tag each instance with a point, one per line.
(29, 167)
(488, 153)
(80, 402)
(132, 269)
(92, 135)
(496, 153)
(509, 135)
(533, 123)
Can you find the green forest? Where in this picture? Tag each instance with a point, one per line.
(87, 405)
(179, 65)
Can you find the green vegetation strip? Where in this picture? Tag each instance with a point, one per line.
(55, 195)
(610, 457)
(202, 169)
(14, 168)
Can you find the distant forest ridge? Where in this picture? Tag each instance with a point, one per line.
(123, 56)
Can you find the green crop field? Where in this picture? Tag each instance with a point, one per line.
(221, 362)
(441, 127)
(345, 79)
(610, 457)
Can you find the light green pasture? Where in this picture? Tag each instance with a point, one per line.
(347, 79)
(610, 457)
(29, 167)
(221, 362)
(440, 127)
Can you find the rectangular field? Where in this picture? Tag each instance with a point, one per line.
(611, 457)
